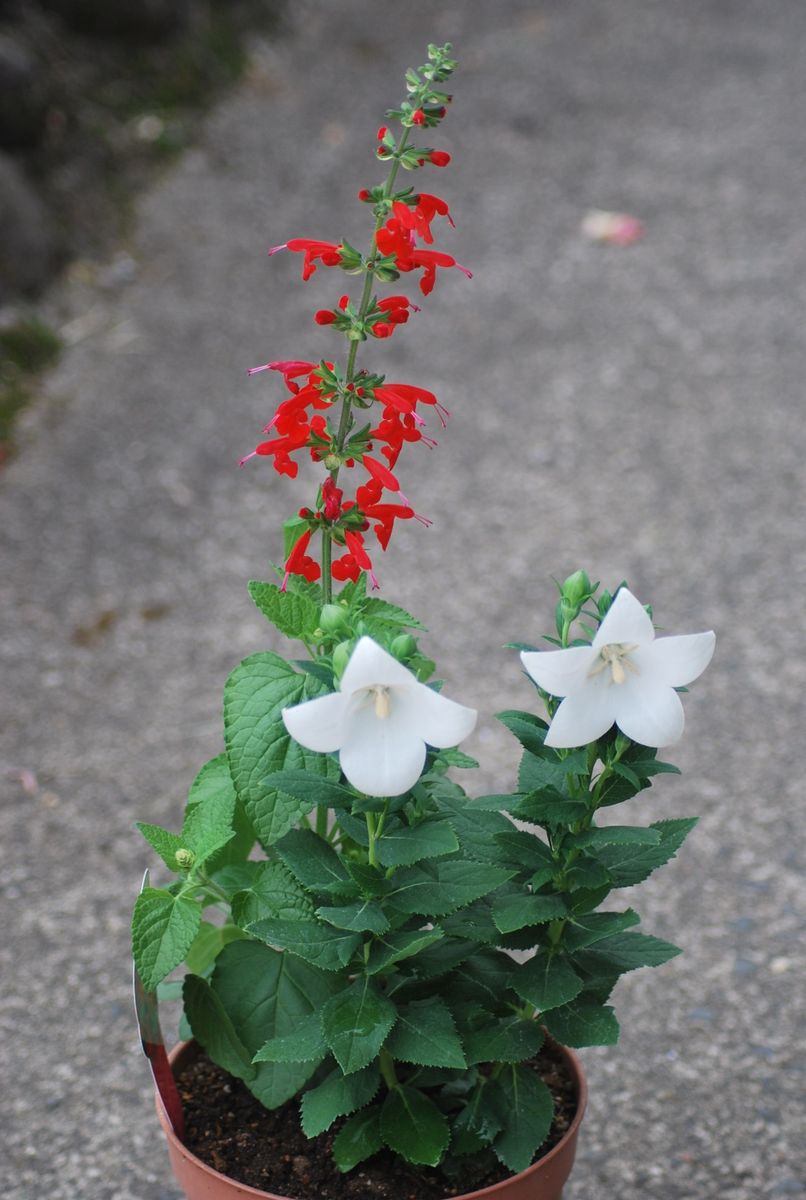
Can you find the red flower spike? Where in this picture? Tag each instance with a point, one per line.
(298, 562)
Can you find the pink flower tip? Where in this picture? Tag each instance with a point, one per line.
(274, 249)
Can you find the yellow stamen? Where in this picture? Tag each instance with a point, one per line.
(382, 704)
(615, 656)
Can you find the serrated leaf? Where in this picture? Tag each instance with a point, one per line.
(628, 951)
(516, 912)
(474, 922)
(425, 1034)
(377, 610)
(294, 615)
(273, 892)
(362, 916)
(529, 1110)
(587, 873)
(213, 1029)
(163, 841)
(549, 807)
(258, 744)
(528, 729)
(413, 1126)
(208, 944)
(355, 1023)
(358, 1138)
(310, 789)
(406, 845)
(628, 865)
(322, 945)
(163, 929)
(496, 802)
(336, 1097)
(267, 994)
(536, 773)
(209, 816)
(305, 1044)
(546, 981)
(314, 862)
(457, 758)
(476, 830)
(616, 835)
(477, 1124)
(483, 978)
(583, 1023)
(438, 888)
(510, 1040)
(526, 849)
(394, 947)
(585, 930)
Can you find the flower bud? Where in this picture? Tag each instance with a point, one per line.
(185, 859)
(332, 462)
(403, 646)
(333, 619)
(576, 589)
(341, 657)
(439, 158)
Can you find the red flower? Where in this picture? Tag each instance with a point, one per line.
(299, 563)
(290, 369)
(324, 317)
(430, 260)
(419, 218)
(329, 253)
(395, 240)
(345, 568)
(404, 397)
(439, 158)
(381, 474)
(331, 496)
(387, 514)
(418, 117)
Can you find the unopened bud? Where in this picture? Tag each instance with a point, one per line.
(341, 657)
(333, 618)
(332, 462)
(403, 646)
(185, 859)
(577, 588)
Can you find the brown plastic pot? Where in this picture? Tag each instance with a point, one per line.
(544, 1180)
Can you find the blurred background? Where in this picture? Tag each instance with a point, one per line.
(625, 373)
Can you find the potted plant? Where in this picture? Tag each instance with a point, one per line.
(393, 965)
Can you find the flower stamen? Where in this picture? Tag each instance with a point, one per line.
(382, 703)
(615, 656)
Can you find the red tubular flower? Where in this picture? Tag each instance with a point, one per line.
(290, 369)
(355, 544)
(345, 568)
(299, 563)
(439, 158)
(419, 218)
(381, 474)
(395, 240)
(418, 117)
(429, 260)
(324, 317)
(331, 496)
(404, 397)
(329, 253)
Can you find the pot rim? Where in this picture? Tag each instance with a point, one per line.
(494, 1189)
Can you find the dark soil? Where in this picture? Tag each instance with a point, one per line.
(227, 1128)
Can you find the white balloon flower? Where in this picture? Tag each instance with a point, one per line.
(380, 721)
(625, 676)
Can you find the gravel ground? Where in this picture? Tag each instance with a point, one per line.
(637, 410)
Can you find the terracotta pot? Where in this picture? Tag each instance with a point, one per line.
(544, 1180)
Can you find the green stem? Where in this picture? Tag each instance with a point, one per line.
(372, 834)
(327, 555)
(321, 821)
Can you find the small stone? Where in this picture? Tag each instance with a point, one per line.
(779, 965)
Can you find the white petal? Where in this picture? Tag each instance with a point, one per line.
(625, 621)
(438, 721)
(648, 711)
(558, 672)
(583, 716)
(369, 665)
(677, 660)
(381, 756)
(318, 724)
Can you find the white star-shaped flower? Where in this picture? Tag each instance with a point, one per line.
(625, 676)
(380, 721)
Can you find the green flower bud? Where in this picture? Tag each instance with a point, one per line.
(332, 462)
(333, 618)
(403, 646)
(341, 657)
(576, 589)
(185, 859)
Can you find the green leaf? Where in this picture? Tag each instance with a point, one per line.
(439, 888)
(165, 843)
(163, 929)
(310, 790)
(425, 1034)
(295, 616)
(583, 1023)
(587, 873)
(258, 744)
(273, 892)
(213, 1029)
(314, 862)
(208, 944)
(394, 947)
(645, 767)
(482, 979)
(268, 994)
(529, 730)
(546, 981)
(210, 811)
(375, 611)
(529, 1110)
(456, 758)
(509, 1040)
(358, 1138)
(477, 1124)
(413, 1126)
(550, 807)
(616, 835)
(474, 922)
(628, 951)
(363, 915)
(537, 773)
(336, 1097)
(476, 830)
(628, 865)
(526, 849)
(406, 845)
(497, 802)
(592, 927)
(355, 1024)
(305, 1044)
(322, 945)
(515, 912)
